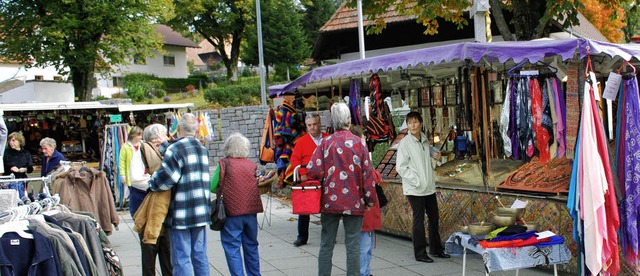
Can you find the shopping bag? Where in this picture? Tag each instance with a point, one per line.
(305, 199)
(218, 215)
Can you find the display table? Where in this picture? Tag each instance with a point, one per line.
(508, 258)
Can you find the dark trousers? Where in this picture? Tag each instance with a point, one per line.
(162, 249)
(303, 227)
(421, 205)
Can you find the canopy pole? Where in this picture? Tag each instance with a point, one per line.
(360, 30)
(263, 84)
(317, 102)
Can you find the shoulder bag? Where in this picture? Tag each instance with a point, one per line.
(218, 214)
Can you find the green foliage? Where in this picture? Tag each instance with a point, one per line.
(632, 20)
(281, 73)
(246, 72)
(284, 40)
(142, 86)
(378, 153)
(222, 22)
(234, 94)
(80, 36)
(317, 12)
(173, 84)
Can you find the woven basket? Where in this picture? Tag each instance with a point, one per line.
(264, 186)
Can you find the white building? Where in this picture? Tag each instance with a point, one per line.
(21, 85)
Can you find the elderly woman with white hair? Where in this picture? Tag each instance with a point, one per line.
(235, 178)
(51, 157)
(342, 160)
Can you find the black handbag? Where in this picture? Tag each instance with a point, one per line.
(218, 214)
(382, 198)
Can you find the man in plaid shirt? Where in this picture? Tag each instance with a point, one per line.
(185, 169)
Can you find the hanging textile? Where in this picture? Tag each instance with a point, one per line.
(379, 127)
(592, 200)
(628, 166)
(504, 122)
(354, 96)
(114, 136)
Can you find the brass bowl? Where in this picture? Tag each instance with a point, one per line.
(476, 229)
(504, 220)
(517, 212)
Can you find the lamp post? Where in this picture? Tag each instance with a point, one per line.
(263, 84)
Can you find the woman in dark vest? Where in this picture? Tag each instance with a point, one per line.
(17, 161)
(235, 178)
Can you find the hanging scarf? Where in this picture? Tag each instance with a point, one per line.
(354, 95)
(504, 121)
(541, 134)
(629, 169)
(561, 111)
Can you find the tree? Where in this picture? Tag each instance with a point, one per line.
(79, 38)
(282, 35)
(609, 20)
(221, 22)
(631, 20)
(316, 13)
(531, 19)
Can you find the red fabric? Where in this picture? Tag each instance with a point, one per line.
(301, 154)
(372, 219)
(610, 202)
(542, 135)
(514, 243)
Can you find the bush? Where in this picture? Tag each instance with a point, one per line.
(171, 84)
(166, 99)
(234, 95)
(142, 86)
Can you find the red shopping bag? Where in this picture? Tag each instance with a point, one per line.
(305, 199)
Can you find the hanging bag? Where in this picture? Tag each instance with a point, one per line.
(267, 153)
(218, 214)
(305, 197)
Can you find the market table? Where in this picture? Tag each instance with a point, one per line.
(508, 258)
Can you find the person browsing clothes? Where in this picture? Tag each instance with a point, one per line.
(301, 154)
(51, 157)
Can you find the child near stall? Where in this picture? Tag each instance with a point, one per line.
(371, 221)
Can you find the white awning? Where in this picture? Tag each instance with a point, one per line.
(55, 106)
(139, 107)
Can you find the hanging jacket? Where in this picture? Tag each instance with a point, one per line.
(20, 256)
(89, 191)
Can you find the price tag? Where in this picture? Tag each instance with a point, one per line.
(612, 86)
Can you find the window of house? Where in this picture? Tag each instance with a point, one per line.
(169, 60)
(39, 78)
(57, 78)
(140, 60)
(117, 81)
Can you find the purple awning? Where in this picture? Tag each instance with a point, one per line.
(518, 51)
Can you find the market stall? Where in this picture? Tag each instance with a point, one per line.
(497, 139)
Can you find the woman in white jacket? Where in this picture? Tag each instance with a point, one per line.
(418, 185)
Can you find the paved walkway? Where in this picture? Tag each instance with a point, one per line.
(392, 255)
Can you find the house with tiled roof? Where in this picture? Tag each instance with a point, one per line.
(337, 40)
(36, 84)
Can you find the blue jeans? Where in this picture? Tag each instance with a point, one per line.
(189, 251)
(366, 250)
(241, 231)
(18, 186)
(352, 226)
(136, 197)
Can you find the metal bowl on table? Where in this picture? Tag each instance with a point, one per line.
(476, 229)
(517, 212)
(504, 220)
(531, 226)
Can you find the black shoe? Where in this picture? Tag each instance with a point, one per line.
(443, 255)
(425, 259)
(299, 242)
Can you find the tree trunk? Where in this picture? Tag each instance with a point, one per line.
(526, 19)
(82, 84)
(498, 17)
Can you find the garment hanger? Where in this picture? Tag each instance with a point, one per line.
(510, 72)
(19, 227)
(627, 63)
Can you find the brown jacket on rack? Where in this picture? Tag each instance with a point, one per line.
(86, 189)
(155, 206)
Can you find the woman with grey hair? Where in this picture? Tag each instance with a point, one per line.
(51, 157)
(342, 160)
(149, 218)
(235, 180)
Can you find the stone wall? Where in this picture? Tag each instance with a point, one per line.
(248, 120)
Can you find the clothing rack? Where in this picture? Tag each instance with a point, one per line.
(46, 182)
(5, 177)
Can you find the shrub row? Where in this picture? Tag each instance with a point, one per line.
(234, 94)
